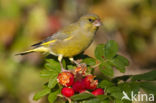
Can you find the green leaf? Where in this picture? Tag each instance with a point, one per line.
(110, 49)
(102, 97)
(115, 92)
(52, 96)
(64, 63)
(70, 67)
(146, 76)
(82, 96)
(45, 73)
(52, 81)
(124, 78)
(53, 65)
(42, 93)
(149, 87)
(123, 60)
(99, 52)
(119, 63)
(128, 87)
(105, 101)
(94, 100)
(89, 61)
(118, 101)
(106, 69)
(105, 84)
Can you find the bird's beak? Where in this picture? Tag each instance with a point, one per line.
(97, 23)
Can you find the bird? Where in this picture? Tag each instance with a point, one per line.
(70, 40)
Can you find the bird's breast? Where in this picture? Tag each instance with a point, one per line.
(73, 45)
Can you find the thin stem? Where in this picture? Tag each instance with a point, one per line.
(68, 99)
(94, 66)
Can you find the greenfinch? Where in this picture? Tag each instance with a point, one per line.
(71, 40)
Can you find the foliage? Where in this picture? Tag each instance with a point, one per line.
(107, 59)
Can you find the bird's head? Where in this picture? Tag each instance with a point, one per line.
(90, 22)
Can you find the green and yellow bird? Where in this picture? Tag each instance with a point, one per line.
(71, 40)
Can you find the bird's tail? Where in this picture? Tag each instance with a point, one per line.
(24, 53)
(39, 49)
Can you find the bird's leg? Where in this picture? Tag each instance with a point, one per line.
(77, 63)
(60, 61)
(74, 61)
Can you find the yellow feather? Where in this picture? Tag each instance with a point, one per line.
(68, 38)
(46, 43)
(41, 49)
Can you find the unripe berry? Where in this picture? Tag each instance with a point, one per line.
(68, 92)
(65, 78)
(98, 91)
(90, 83)
(78, 86)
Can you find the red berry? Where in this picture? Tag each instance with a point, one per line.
(78, 86)
(90, 83)
(65, 78)
(68, 92)
(98, 91)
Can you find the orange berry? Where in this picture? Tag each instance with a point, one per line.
(65, 78)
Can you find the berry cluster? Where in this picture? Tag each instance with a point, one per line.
(78, 82)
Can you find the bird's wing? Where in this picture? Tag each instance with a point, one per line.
(64, 34)
(52, 39)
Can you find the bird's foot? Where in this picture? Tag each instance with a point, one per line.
(78, 63)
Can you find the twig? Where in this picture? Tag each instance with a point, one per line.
(69, 100)
(94, 66)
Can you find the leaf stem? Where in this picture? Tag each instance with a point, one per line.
(94, 66)
(69, 100)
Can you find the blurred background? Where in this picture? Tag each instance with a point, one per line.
(132, 23)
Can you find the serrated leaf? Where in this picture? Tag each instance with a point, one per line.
(99, 52)
(123, 60)
(70, 67)
(124, 78)
(102, 97)
(149, 87)
(146, 76)
(42, 93)
(53, 65)
(94, 100)
(46, 73)
(113, 89)
(82, 96)
(128, 87)
(118, 101)
(106, 69)
(52, 96)
(52, 81)
(105, 101)
(110, 49)
(119, 63)
(89, 61)
(64, 63)
(115, 92)
(105, 84)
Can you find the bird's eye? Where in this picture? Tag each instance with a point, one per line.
(91, 20)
